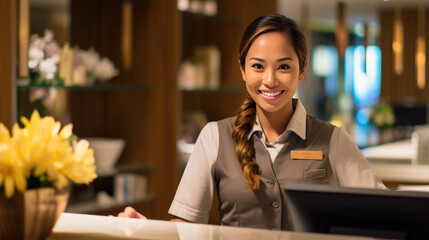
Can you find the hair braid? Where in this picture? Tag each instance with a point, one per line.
(244, 149)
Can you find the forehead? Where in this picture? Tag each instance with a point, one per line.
(272, 44)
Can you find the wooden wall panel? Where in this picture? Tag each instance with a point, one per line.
(402, 89)
(8, 10)
(162, 62)
(146, 119)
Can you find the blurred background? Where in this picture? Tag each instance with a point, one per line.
(147, 75)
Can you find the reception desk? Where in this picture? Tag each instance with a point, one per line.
(92, 227)
(400, 152)
(394, 164)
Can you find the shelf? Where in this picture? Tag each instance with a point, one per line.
(23, 84)
(225, 88)
(218, 17)
(134, 168)
(93, 206)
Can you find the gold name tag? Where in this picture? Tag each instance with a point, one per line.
(310, 155)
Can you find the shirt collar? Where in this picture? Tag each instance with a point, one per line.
(296, 124)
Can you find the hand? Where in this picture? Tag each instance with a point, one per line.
(130, 212)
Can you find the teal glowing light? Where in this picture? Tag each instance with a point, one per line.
(366, 82)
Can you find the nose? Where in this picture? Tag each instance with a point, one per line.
(270, 80)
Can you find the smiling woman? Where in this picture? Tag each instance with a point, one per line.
(248, 159)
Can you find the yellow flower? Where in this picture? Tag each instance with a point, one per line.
(81, 168)
(11, 168)
(42, 150)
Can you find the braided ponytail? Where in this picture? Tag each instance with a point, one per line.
(244, 149)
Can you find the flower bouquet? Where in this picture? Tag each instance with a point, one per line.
(44, 56)
(37, 164)
(94, 67)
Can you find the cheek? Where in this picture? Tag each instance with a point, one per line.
(253, 76)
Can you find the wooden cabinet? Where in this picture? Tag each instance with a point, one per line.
(224, 31)
(146, 120)
(198, 31)
(112, 191)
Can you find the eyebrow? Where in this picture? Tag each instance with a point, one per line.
(278, 60)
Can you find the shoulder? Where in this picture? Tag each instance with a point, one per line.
(229, 120)
(317, 124)
(226, 123)
(210, 130)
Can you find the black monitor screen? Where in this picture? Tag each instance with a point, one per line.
(356, 211)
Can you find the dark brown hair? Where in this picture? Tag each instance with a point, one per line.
(244, 149)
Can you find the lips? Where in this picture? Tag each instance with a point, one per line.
(271, 93)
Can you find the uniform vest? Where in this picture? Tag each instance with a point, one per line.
(266, 208)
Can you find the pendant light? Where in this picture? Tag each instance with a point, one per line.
(398, 42)
(341, 35)
(420, 57)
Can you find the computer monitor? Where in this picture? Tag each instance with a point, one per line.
(356, 211)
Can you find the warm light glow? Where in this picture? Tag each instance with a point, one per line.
(24, 31)
(127, 35)
(398, 43)
(420, 57)
(421, 62)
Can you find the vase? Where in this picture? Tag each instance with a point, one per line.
(31, 215)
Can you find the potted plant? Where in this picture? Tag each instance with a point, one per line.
(37, 163)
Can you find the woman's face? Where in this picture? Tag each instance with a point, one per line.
(272, 72)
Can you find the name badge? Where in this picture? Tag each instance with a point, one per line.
(308, 155)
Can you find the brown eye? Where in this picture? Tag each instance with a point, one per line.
(257, 66)
(284, 67)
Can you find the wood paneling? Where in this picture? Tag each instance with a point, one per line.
(8, 10)
(400, 89)
(146, 119)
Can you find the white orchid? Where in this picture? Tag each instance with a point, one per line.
(44, 55)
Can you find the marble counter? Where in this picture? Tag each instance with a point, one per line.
(92, 227)
(393, 162)
(400, 152)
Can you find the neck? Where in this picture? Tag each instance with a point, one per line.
(274, 123)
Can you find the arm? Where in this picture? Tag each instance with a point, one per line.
(194, 195)
(130, 212)
(348, 163)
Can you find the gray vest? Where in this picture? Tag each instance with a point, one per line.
(266, 207)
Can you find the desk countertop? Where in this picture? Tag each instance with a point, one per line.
(91, 227)
(400, 152)
(392, 162)
(402, 173)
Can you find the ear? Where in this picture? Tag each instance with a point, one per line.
(302, 72)
(243, 74)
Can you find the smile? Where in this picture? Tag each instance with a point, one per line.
(271, 94)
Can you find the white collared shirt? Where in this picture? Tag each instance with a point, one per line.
(195, 193)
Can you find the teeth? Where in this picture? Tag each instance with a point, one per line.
(271, 94)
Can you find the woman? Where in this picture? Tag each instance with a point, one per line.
(247, 159)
